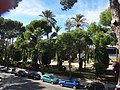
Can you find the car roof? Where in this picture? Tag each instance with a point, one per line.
(47, 74)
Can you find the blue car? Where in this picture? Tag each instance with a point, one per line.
(70, 83)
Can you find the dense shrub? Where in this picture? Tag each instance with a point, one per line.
(46, 58)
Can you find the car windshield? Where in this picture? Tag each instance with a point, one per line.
(52, 77)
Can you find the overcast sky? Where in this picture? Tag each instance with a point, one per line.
(29, 10)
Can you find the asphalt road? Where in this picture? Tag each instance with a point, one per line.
(11, 82)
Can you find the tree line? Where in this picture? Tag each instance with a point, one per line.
(26, 44)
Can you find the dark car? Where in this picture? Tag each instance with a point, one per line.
(4, 69)
(21, 73)
(10, 70)
(95, 86)
(71, 83)
(33, 75)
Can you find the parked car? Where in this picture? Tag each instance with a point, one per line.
(1, 67)
(95, 86)
(49, 78)
(71, 83)
(4, 69)
(21, 73)
(33, 75)
(10, 70)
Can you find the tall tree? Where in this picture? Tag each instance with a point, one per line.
(115, 23)
(9, 29)
(101, 36)
(49, 17)
(79, 20)
(68, 25)
(57, 29)
(33, 34)
(115, 11)
(106, 17)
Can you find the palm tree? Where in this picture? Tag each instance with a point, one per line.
(79, 21)
(49, 17)
(68, 25)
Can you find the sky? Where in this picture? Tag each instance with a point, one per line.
(28, 10)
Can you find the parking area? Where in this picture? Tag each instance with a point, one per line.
(9, 77)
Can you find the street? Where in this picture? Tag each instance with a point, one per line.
(12, 82)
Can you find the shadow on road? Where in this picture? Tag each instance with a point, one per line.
(19, 83)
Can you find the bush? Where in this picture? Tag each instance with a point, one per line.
(46, 58)
(101, 56)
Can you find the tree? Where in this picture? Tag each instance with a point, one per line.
(22, 45)
(46, 51)
(31, 37)
(81, 42)
(67, 4)
(65, 47)
(101, 36)
(49, 17)
(115, 12)
(78, 21)
(68, 25)
(57, 29)
(115, 23)
(106, 17)
(9, 30)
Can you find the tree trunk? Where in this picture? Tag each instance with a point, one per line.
(70, 75)
(115, 23)
(47, 35)
(59, 62)
(80, 60)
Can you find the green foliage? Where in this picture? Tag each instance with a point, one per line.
(49, 18)
(34, 58)
(101, 56)
(100, 35)
(27, 35)
(46, 50)
(17, 56)
(79, 21)
(9, 30)
(67, 4)
(70, 43)
(46, 58)
(106, 17)
(39, 26)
